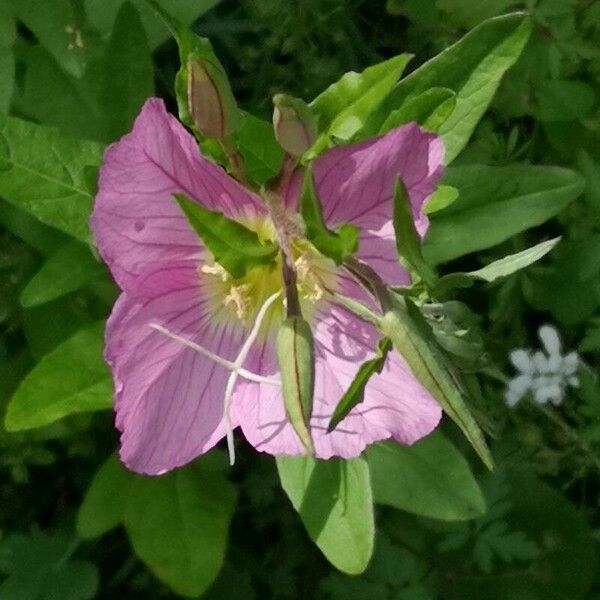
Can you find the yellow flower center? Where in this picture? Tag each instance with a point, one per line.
(239, 299)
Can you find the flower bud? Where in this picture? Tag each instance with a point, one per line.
(211, 104)
(295, 353)
(294, 124)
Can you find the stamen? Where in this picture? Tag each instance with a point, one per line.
(217, 270)
(238, 296)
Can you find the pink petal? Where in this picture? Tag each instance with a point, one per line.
(169, 398)
(135, 221)
(356, 185)
(395, 405)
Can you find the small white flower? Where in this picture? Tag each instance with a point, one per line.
(546, 375)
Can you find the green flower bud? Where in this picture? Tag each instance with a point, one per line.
(294, 124)
(211, 104)
(295, 353)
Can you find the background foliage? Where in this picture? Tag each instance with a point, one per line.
(74, 524)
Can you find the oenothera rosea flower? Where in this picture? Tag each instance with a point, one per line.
(192, 349)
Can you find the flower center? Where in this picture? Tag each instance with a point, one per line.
(239, 299)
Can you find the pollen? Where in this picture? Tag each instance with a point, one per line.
(215, 269)
(310, 285)
(239, 300)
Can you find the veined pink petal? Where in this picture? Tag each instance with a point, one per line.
(136, 222)
(395, 406)
(169, 398)
(356, 185)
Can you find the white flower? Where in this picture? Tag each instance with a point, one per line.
(545, 374)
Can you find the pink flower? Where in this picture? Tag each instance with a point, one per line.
(169, 398)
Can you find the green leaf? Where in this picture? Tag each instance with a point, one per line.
(563, 100)
(333, 499)
(473, 68)
(101, 14)
(40, 567)
(356, 391)
(69, 103)
(415, 342)
(46, 175)
(408, 242)
(296, 359)
(343, 108)
(128, 74)
(69, 269)
(71, 379)
(430, 109)
(443, 197)
(430, 478)
(7, 77)
(235, 247)
(57, 28)
(496, 203)
(337, 245)
(499, 268)
(105, 500)
(178, 525)
(263, 156)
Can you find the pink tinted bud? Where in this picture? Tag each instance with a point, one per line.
(294, 125)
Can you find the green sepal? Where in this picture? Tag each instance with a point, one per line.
(408, 242)
(235, 247)
(356, 392)
(296, 356)
(413, 339)
(337, 245)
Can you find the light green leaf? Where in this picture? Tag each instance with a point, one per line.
(71, 379)
(430, 109)
(56, 27)
(343, 108)
(430, 478)
(69, 269)
(178, 525)
(263, 156)
(101, 14)
(473, 68)
(408, 242)
(104, 503)
(356, 391)
(128, 74)
(44, 175)
(443, 197)
(337, 245)
(415, 342)
(334, 501)
(496, 203)
(514, 262)
(233, 246)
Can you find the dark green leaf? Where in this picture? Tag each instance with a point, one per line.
(128, 72)
(430, 478)
(333, 499)
(356, 391)
(337, 245)
(408, 242)
(235, 247)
